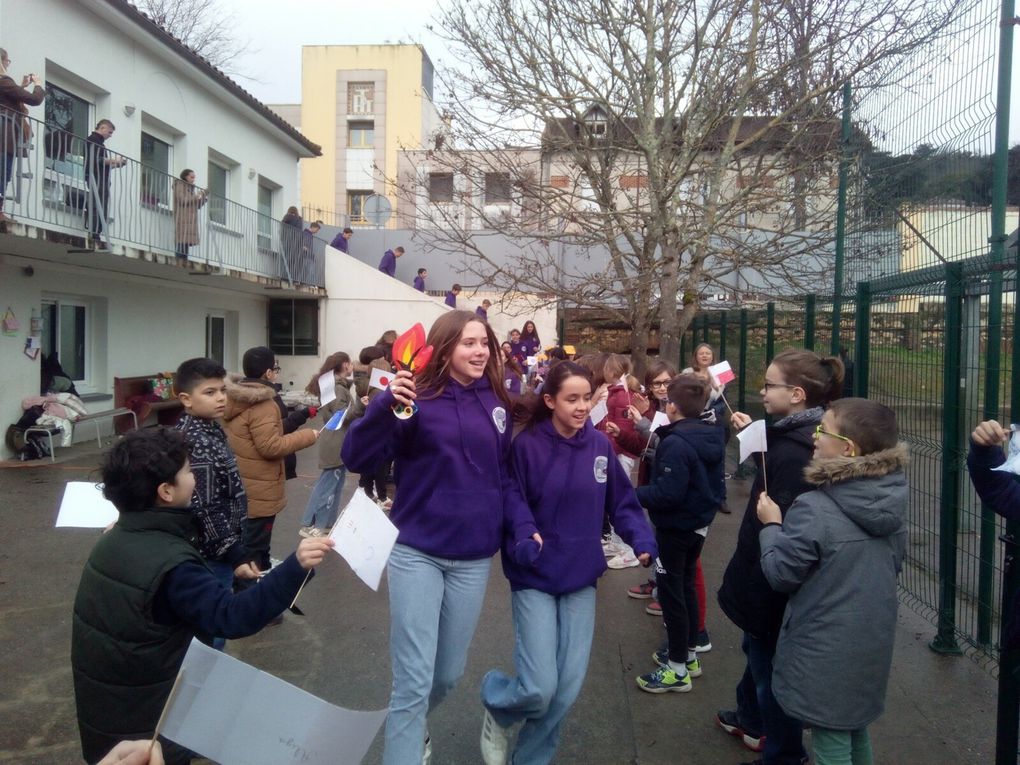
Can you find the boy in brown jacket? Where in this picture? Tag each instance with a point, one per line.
(254, 423)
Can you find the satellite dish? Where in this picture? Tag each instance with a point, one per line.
(377, 210)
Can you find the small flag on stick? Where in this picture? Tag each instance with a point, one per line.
(336, 421)
(752, 439)
(380, 379)
(721, 374)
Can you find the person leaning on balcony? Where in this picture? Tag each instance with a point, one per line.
(97, 179)
(187, 201)
(290, 236)
(15, 130)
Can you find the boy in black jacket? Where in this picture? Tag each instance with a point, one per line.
(146, 591)
(682, 498)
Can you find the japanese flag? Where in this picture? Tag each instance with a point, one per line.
(721, 374)
(380, 379)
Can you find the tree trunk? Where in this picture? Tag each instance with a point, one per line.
(669, 321)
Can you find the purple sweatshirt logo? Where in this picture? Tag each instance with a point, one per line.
(499, 417)
(601, 469)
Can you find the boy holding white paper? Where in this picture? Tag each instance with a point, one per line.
(146, 591)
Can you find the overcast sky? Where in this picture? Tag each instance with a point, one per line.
(278, 30)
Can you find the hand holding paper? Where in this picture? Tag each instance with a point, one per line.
(364, 537)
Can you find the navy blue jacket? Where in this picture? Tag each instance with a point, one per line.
(685, 488)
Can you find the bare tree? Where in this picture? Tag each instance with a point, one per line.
(679, 148)
(204, 26)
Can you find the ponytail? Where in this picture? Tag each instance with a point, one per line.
(821, 377)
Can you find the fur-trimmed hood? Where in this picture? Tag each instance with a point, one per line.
(870, 490)
(828, 470)
(243, 393)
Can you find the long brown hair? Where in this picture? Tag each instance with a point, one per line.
(443, 337)
(694, 356)
(532, 409)
(335, 362)
(655, 369)
(821, 377)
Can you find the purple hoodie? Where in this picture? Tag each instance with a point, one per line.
(451, 467)
(388, 264)
(569, 483)
(451, 299)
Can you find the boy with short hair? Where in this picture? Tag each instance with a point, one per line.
(219, 503)
(254, 421)
(419, 280)
(146, 591)
(451, 296)
(837, 553)
(682, 498)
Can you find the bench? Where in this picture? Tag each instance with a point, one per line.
(93, 417)
(127, 388)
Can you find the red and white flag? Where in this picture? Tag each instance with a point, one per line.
(721, 374)
(380, 379)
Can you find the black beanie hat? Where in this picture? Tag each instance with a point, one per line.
(257, 360)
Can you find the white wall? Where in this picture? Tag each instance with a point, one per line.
(140, 325)
(74, 48)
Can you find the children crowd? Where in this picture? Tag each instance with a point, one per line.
(640, 478)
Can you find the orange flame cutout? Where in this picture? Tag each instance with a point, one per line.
(410, 351)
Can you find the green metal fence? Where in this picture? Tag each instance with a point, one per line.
(926, 310)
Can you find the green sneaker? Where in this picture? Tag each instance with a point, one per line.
(663, 680)
(661, 657)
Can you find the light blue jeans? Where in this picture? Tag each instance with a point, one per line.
(554, 634)
(324, 502)
(434, 609)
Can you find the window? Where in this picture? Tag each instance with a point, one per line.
(360, 97)
(65, 330)
(155, 156)
(294, 327)
(265, 205)
(218, 193)
(360, 135)
(441, 187)
(497, 189)
(215, 337)
(67, 125)
(356, 205)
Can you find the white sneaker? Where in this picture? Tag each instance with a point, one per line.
(310, 532)
(623, 560)
(613, 545)
(495, 741)
(384, 504)
(426, 758)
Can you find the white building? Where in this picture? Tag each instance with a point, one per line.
(133, 310)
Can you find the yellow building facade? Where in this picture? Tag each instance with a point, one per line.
(362, 104)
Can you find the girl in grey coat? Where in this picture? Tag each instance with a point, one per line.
(837, 553)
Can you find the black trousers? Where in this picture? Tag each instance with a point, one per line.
(376, 481)
(679, 552)
(258, 533)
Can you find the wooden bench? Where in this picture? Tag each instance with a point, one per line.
(127, 388)
(93, 417)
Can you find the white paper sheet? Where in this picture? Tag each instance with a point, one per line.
(364, 537)
(752, 439)
(85, 507)
(659, 420)
(327, 388)
(599, 412)
(235, 714)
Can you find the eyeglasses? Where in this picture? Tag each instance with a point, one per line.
(659, 384)
(277, 368)
(819, 431)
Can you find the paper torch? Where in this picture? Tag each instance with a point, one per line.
(411, 353)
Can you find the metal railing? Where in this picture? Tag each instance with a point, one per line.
(60, 182)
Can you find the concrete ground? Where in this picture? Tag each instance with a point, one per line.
(939, 710)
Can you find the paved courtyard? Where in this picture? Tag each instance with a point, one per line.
(940, 710)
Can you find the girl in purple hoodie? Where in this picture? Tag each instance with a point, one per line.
(567, 473)
(455, 491)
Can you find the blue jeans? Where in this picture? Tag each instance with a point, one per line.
(434, 609)
(324, 503)
(224, 574)
(758, 711)
(554, 634)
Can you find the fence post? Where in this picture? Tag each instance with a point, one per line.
(722, 335)
(742, 384)
(704, 327)
(862, 340)
(770, 332)
(809, 322)
(945, 639)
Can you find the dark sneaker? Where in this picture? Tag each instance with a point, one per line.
(727, 720)
(704, 642)
(664, 680)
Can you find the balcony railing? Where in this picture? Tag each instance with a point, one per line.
(50, 188)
